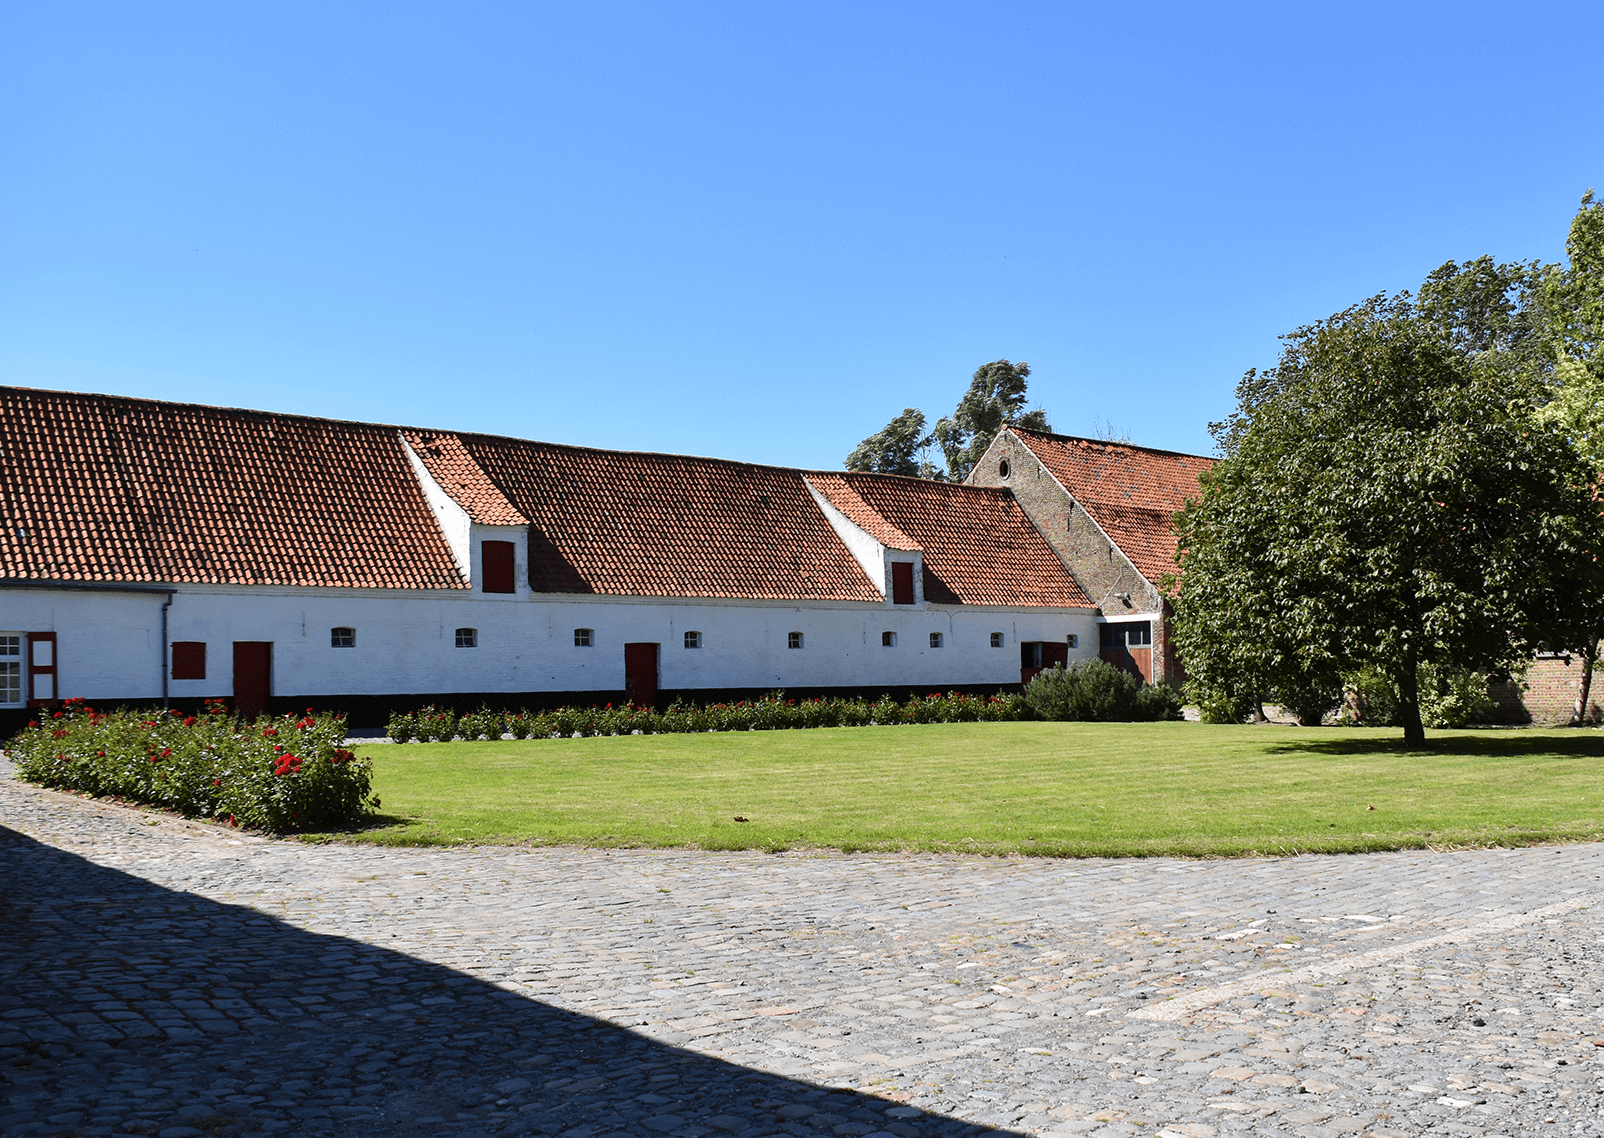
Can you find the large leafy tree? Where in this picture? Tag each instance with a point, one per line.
(897, 449)
(996, 398)
(1567, 307)
(1385, 502)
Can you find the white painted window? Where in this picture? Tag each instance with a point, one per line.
(935, 640)
(1074, 640)
(582, 637)
(693, 640)
(996, 640)
(467, 638)
(10, 669)
(342, 637)
(793, 640)
(888, 639)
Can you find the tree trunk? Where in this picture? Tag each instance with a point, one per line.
(1584, 684)
(1409, 706)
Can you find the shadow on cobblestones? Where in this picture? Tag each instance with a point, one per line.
(126, 1008)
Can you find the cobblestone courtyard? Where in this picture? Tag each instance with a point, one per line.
(166, 978)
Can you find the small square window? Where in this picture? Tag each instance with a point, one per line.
(582, 637)
(1074, 641)
(693, 640)
(935, 640)
(793, 640)
(467, 638)
(888, 639)
(342, 638)
(996, 640)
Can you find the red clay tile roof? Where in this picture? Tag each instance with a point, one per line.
(1132, 492)
(449, 463)
(659, 525)
(102, 488)
(843, 497)
(979, 547)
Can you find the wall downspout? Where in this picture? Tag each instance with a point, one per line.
(166, 672)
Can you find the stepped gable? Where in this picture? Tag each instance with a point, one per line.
(979, 547)
(105, 488)
(658, 525)
(842, 496)
(1132, 492)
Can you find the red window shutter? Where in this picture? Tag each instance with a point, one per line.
(902, 583)
(496, 565)
(189, 659)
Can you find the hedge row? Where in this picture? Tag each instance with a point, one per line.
(276, 774)
(771, 713)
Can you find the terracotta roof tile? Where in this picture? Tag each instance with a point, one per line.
(843, 497)
(979, 547)
(1132, 492)
(102, 488)
(659, 525)
(449, 463)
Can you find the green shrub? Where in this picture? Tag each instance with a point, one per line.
(774, 712)
(1156, 703)
(1088, 690)
(272, 773)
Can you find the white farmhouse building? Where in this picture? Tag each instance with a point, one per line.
(156, 550)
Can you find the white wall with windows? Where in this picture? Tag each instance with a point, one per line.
(384, 642)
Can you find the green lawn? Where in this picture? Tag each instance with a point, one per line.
(1061, 789)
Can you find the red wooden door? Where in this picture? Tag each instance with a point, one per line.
(253, 676)
(640, 674)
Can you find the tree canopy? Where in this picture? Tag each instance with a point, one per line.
(996, 398)
(1387, 500)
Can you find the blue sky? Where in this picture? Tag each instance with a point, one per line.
(753, 231)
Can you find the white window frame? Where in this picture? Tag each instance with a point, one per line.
(472, 639)
(793, 640)
(998, 640)
(693, 639)
(334, 636)
(888, 639)
(584, 638)
(10, 659)
(936, 640)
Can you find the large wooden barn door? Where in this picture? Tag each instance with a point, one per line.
(640, 674)
(1129, 645)
(253, 676)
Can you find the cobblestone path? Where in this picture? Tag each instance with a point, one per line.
(166, 978)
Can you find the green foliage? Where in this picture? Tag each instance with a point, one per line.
(276, 774)
(774, 712)
(895, 449)
(1217, 704)
(1449, 697)
(1383, 503)
(1096, 691)
(996, 398)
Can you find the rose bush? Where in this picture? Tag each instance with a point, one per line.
(273, 773)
